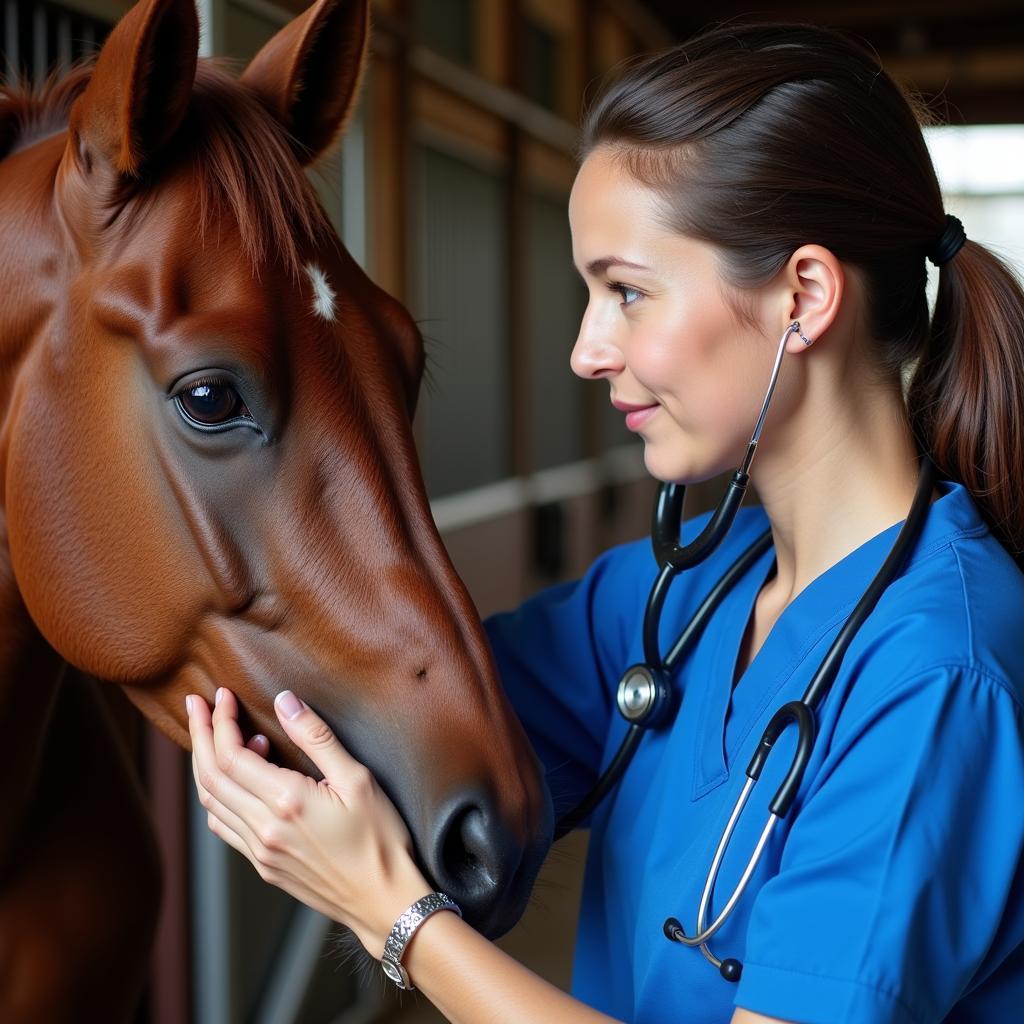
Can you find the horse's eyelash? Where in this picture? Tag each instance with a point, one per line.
(219, 382)
(216, 381)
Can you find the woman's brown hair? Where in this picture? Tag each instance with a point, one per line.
(762, 138)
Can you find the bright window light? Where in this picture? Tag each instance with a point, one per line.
(978, 159)
(981, 172)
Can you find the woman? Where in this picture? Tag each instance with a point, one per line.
(750, 179)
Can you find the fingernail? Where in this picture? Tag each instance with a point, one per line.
(260, 739)
(217, 696)
(290, 705)
(188, 704)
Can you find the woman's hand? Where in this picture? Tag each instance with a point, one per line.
(340, 846)
(337, 845)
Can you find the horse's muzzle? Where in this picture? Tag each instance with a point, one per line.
(474, 857)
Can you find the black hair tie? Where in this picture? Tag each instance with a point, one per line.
(950, 242)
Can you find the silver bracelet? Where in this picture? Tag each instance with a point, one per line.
(404, 929)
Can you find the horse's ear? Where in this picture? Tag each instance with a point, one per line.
(140, 89)
(308, 75)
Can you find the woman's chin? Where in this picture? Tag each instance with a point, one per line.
(675, 467)
(667, 466)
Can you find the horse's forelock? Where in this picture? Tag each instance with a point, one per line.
(241, 159)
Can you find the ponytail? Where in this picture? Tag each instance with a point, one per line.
(966, 395)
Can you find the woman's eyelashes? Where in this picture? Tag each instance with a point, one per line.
(629, 295)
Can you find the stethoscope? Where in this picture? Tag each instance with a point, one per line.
(645, 698)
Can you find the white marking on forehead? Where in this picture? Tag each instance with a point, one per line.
(323, 293)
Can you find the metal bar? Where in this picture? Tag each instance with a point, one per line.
(354, 194)
(294, 967)
(214, 996)
(620, 465)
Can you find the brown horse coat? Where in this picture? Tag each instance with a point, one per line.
(208, 477)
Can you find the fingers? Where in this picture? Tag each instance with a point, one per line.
(217, 773)
(219, 829)
(259, 744)
(223, 822)
(226, 733)
(225, 725)
(315, 738)
(247, 785)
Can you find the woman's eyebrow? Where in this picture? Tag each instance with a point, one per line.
(597, 267)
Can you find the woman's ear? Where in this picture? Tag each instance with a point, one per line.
(813, 283)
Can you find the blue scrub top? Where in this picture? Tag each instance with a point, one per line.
(894, 890)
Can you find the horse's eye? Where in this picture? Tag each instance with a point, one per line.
(212, 403)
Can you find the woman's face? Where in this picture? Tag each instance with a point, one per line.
(658, 329)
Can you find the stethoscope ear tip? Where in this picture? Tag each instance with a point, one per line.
(731, 969)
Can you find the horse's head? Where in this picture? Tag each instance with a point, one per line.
(210, 471)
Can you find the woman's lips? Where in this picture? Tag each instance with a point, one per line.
(636, 419)
(636, 415)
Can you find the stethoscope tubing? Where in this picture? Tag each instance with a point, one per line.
(668, 506)
(634, 733)
(645, 696)
(802, 714)
(909, 533)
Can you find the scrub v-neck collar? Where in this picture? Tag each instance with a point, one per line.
(728, 714)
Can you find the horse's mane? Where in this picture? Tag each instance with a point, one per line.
(243, 160)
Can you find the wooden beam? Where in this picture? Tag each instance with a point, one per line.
(853, 14)
(981, 106)
(981, 69)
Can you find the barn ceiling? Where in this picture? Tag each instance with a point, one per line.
(965, 56)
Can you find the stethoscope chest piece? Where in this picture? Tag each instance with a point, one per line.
(644, 697)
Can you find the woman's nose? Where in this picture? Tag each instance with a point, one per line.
(595, 354)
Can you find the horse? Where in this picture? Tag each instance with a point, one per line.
(208, 477)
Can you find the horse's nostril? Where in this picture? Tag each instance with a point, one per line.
(486, 865)
(464, 854)
(474, 858)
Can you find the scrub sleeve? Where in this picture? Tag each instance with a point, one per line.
(559, 656)
(894, 913)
